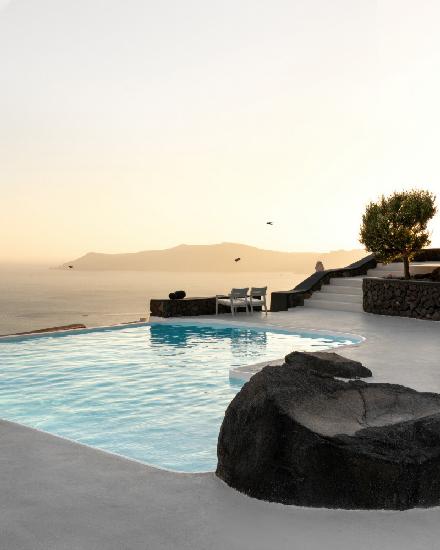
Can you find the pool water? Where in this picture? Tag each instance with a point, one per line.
(156, 393)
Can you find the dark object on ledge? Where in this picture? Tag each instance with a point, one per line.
(296, 435)
(177, 295)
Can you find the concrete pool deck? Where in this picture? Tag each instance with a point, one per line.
(59, 495)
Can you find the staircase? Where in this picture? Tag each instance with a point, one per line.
(345, 293)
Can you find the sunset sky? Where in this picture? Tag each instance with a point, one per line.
(128, 125)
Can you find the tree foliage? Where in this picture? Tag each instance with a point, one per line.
(395, 227)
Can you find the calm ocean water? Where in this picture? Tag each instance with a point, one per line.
(38, 297)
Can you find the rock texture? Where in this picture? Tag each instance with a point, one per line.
(294, 436)
(418, 299)
(330, 364)
(188, 307)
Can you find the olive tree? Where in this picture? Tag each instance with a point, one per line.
(395, 227)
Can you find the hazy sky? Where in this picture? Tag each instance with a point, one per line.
(135, 124)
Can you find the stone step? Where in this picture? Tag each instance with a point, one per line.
(383, 273)
(339, 306)
(347, 281)
(398, 266)
(339, 289)
(396, 269)
(334, 297)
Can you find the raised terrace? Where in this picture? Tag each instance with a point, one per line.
(52, 487)
(342, 289)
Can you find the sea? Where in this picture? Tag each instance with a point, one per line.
(36, 297)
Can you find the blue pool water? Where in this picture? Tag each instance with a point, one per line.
(156, 393)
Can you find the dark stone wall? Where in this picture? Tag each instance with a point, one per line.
(428, 255)
(180, 308)
(283, 299)
(188, 307)
(418, 299)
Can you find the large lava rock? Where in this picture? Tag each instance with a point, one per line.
(296, 435)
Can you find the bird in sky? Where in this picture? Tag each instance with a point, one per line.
(269, 223)
(237, 259)
(70, 266)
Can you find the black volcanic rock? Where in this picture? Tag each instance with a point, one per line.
(330, 364)
(296, 437)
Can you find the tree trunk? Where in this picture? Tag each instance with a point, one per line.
(406, 267)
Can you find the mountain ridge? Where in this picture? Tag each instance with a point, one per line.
(213, 257)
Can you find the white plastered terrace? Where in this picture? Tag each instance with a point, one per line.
(59, 495)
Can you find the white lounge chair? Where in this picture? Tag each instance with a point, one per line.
(257, 297)
(238, 297)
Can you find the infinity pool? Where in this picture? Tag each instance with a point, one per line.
(156, 393)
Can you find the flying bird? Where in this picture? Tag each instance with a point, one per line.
(237, 259)
(269, 223)
(70, 266)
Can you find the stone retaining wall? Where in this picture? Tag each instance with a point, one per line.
(188, 307)
(185, 307)
(418, 299)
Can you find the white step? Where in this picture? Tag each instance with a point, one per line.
(383, 273)
(339, 289)
(340, 306)
(396, 269)
(347, 281)
(395, 265)
(389, 267)
(333, 297)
